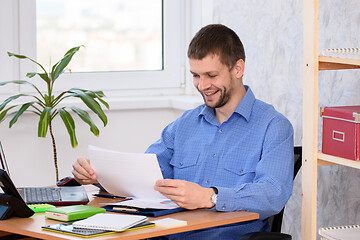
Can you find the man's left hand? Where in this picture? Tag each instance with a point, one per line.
(185, 194)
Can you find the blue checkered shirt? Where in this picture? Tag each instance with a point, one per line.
(248, 158)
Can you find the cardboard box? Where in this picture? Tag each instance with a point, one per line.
(341, 131)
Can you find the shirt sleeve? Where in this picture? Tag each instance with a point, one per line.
(272, 185)
(164, 148)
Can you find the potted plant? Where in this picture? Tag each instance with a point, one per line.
(46, 104)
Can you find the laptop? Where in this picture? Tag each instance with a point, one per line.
(64, 195)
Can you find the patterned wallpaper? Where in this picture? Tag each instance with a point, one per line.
(272, 33)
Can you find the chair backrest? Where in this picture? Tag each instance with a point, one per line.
(276, 220)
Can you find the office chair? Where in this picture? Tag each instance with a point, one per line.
(276, 220)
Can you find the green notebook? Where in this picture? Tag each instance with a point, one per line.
(71, 213)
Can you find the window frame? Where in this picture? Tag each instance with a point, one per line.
(170, 80)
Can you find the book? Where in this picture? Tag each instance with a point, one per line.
(71, 213)
(353, 53)
(170, 223)
(351, 232)
(110, 222)
(67, 228)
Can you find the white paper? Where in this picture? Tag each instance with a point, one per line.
(129, 174)
(147, 203)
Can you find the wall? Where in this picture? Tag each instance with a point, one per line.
(271, 31)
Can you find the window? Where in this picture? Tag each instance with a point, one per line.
(160, 69)
(121, 35)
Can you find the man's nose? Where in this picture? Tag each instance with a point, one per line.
(204, 83)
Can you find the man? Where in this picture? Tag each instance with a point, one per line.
(233, 153)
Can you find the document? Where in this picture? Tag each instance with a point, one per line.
(147, 203)
(131, 175)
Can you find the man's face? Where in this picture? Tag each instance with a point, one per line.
(214, 80)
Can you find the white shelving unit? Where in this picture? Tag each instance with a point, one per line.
(312, 159)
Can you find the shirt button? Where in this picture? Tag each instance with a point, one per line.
(214, 154)
(241, 170)
(223, 208)
(181, 163)
(220, 130)
(207, 181)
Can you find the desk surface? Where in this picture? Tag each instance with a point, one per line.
(196, 219)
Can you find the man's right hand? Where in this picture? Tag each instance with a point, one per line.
(83, 172)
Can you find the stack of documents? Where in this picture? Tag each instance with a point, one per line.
(131, 175)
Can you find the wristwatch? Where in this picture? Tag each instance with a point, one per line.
(214, 196)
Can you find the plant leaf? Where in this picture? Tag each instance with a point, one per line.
(30, 75)
(2, 105)
(25, 57)
(44, 122)
(17, 55)
(61, 65)
(21, 82)
(70, 126)
(42, 75)
(19, 112)
(3, 113)
(94, 94)
(16, 82)
(86, 118)
(92, 104)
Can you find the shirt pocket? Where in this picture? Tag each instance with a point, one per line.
(239, 173)
(185, 166)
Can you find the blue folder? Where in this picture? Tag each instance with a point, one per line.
(146, 212)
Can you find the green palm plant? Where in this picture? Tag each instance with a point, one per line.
(46, 105)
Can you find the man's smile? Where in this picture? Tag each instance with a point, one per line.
(209, 93)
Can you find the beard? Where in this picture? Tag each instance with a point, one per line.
(224, 99)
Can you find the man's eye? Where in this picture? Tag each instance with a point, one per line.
(212, 76)
(195, 76)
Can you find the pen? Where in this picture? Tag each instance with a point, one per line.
(110, 196)
(126, 209)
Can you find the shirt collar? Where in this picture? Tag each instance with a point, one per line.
(244, 108)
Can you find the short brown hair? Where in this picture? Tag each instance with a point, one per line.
(217, 39)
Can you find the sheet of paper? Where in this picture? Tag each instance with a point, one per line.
(129, 174)
(147, 203)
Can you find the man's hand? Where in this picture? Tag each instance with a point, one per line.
(185, 194)
(83, 172)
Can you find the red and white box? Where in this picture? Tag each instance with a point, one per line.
(341, 131)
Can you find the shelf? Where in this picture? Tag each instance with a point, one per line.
(324, 160)
(333, 63)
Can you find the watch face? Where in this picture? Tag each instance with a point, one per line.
(214, 198)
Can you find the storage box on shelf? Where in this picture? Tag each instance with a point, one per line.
(341, 131)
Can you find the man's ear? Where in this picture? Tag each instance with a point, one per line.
(239, 68)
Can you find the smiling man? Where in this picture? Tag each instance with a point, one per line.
(234, 153)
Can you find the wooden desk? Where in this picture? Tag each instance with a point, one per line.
(196, 219)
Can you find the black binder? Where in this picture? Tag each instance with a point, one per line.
(145, 212)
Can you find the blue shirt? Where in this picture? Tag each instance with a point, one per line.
(248, 158)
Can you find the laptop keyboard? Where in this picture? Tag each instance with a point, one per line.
(42, 194)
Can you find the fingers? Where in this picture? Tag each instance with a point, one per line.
(170, 183)
(83, 172)
(172, 189)
(185, 194)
